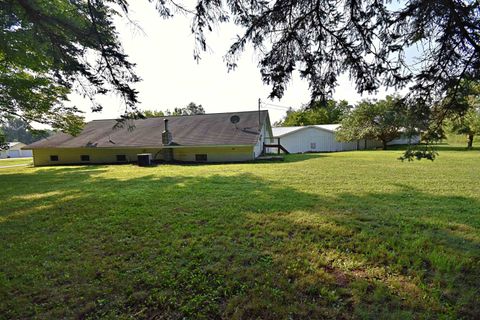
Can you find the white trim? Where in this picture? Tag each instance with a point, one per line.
(303, 128)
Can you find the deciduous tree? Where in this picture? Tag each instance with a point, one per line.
(15, 129)
(191, 109)
(371, 119)
(153, 113)
(320, 112)
(468, 123)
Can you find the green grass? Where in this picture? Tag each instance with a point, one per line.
(15, 161)
(342, 235)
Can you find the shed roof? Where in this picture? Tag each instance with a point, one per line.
(195, 130)
(283, 131)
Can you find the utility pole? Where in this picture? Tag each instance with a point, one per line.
(259, 120)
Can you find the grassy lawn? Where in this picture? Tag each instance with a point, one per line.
(15, 161)
(341, 235)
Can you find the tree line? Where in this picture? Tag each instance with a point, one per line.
(190, 109)
(387, 119)
(17, 130)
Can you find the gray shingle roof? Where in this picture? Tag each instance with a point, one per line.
(195, 130)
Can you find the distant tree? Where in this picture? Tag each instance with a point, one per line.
(469, 123)
(371, 119)
(153, 113)
(191, 109)
(319, 112)
(294, 118)
(16, 129)
(335, 110)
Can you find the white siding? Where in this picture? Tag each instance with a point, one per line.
(314, 140)
(15, 151)
(258, 149)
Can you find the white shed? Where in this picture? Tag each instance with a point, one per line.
(317, 138)
(14, 150)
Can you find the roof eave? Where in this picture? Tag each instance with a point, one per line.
(148, 147)
(303, 128)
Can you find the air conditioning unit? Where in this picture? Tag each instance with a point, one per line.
(144, 159)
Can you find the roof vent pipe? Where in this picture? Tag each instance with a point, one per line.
(166, 135)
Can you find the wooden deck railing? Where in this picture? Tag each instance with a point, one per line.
(275, 145)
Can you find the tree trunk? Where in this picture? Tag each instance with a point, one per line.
(470, 141)
(384, 144)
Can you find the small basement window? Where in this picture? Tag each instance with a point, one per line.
(53, 158)
(313, 145)
(201, 157)
(85, 157)
(121, 158)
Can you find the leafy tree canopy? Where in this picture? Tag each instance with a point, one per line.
(48, 48)
(320, 112)
(153, 113)
(16, 129)
(191, 109)
(371, 119)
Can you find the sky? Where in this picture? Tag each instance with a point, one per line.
(163, 52)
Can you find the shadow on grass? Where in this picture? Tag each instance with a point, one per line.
(438, 147)
(75, 242)
(447, 147)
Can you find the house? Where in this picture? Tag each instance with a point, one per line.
(216, 137)
(14, 150)
(316, 138)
